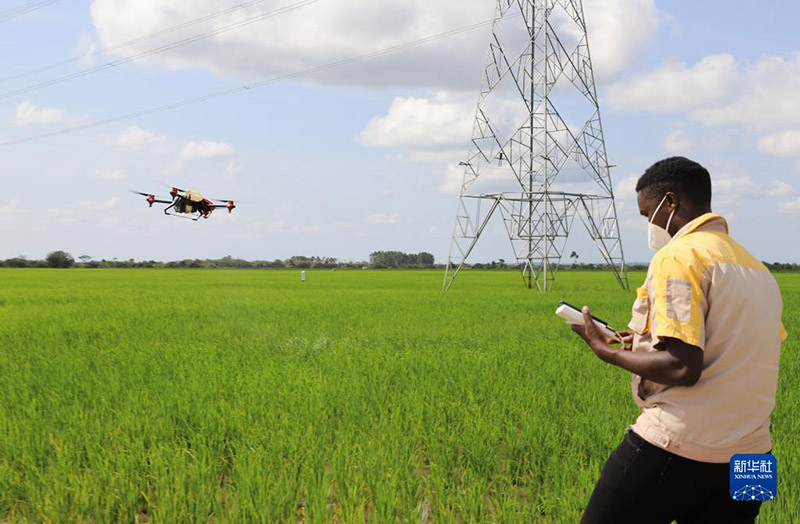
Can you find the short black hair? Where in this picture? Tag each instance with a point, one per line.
(685, 177)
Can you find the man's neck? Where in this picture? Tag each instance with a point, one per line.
(681, 219)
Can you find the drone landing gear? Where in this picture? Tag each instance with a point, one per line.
(166, 212)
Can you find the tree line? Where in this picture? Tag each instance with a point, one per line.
(377, 260)
(395, 259)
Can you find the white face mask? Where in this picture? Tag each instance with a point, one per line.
(657, 236)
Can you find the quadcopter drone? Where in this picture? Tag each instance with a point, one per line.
(188, 203)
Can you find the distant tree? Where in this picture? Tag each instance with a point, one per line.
(60, 259)
(574, 256)
(394, 259)
(17, 262)
(300, 262)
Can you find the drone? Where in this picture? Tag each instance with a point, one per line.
(188, 202)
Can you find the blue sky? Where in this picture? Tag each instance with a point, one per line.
(361, 158)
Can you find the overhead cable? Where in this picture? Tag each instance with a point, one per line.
(247, 87)
(104, 50)
(157, 50)
(24, 9)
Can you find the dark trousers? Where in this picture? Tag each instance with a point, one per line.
(644, 484)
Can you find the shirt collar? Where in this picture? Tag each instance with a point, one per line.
(711, 221)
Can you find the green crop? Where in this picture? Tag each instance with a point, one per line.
(360, 396)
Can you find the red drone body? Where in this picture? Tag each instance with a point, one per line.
(188, 202)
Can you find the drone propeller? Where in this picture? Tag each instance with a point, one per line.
(175, 190)
(151, 198)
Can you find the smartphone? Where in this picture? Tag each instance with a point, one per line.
(574, 315)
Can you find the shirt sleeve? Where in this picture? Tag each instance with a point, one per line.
(678, 301)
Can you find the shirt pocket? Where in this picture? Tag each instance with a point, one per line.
(640, 313)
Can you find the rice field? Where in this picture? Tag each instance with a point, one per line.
(360, 396)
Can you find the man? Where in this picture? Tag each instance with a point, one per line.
(705, 339)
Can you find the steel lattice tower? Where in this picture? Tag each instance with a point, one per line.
(537, 153)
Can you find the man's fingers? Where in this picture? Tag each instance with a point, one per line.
(588, 322)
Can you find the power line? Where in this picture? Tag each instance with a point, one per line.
(24, 9)
(136, 40)
(247, 87)
(161, 49)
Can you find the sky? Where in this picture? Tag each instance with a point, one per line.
(362, 157)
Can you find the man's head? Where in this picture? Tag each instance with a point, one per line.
(679, 185)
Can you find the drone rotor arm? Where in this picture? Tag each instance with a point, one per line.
(230, 205)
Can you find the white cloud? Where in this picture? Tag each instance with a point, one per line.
(275, 226)
(109, 203)
(110, 174)
(732, 189)
(782, 144)
(678, 142)
(619, 31)
(433, 155)
(718, 91)
(779, 189)
(439, 129)
(766, 97)
(421, 123)
(206, 149)
(676, 87)
(234, 168)
(134, 138)
(102, 212)
(453, 179)
(11, 210)
(306, 229)
(85, 49)
(381, 218)
(790, 207)
(626, 188)
(28, 114)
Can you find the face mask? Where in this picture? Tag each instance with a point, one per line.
(657, 236)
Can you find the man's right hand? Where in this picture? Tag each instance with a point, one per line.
(627, 339)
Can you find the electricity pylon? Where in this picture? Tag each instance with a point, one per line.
(537, 154)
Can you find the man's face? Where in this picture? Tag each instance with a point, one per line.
(648, 205)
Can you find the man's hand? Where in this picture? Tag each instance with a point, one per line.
(676, 363)
(626, 337)
(592, 335)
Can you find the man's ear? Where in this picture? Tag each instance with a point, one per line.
(673, 201)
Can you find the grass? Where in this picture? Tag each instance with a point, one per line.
(246, 396)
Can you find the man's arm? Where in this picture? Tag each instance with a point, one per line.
(679, 364)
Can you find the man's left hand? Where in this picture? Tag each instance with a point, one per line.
(589, 332)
